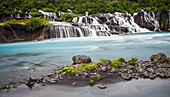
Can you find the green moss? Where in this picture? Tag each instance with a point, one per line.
(134, 59)
(88, 67)
(151, 57)
(98, 76)
(168, 30)
(104, 60)
(6, 25)
(132, 63)
(121, 60)
(115, 63)
(92, 77)
(69, 70)
(91, 82)
(26, 24)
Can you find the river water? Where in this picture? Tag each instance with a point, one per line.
(46, 55)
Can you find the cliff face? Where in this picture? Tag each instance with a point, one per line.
(21, 35)
(163, 19)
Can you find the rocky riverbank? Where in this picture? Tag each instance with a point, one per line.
(83, 72)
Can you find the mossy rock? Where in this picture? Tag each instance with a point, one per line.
(132, 63)
(115, 63)
(91, 82)
(160, 58)
(121, 60)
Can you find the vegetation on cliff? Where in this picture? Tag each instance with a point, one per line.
(7, 7)
(26, 24)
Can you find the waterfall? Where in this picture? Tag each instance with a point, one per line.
(87, 26)
(150, 17)
(49, 15)
(126, 20)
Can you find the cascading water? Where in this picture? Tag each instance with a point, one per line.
(83, 26)
(150, 17)
(126, 20)
(95, 25)
(49, 15)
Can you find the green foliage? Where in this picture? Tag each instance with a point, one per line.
(33, 23)
(69, 70)
(132, 63)
(81, 6)
(48, 9)
(36, 14)
(91, 82)
(121, 60)
(98, 76)
(168, 30)
(27, 24)
(134, 59)
(6, 25)
(104, 60)
(69, 16)
(115, 63)
(88, 67)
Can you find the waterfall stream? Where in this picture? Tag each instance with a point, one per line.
(93, 25)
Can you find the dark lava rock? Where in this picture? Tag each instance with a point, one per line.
(81, 59)
(102, 86)
(160, 57)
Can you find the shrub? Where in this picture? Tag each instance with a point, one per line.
(104, 60)
(121, 60)
(35, 23)
(69, 70)
(115, 63)
(69, 16)
(132, 63)
(134, 59)
(88, 67)
(36, 14)
(48, 9)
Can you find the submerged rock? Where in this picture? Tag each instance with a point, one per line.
(81, 59)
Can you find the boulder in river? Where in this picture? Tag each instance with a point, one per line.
(160, 57)
(81, 59)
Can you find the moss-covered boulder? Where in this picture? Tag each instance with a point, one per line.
(160, 57)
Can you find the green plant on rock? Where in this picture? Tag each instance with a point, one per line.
(91, 82)
(104, 60)
(151, 57)
(134, 59)
(98, 76)
(121, 60)
(115, 63)
(92, 77)
(69, 70)
(6, 25)
(168, 30)
(88, 67)
(132, 63)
